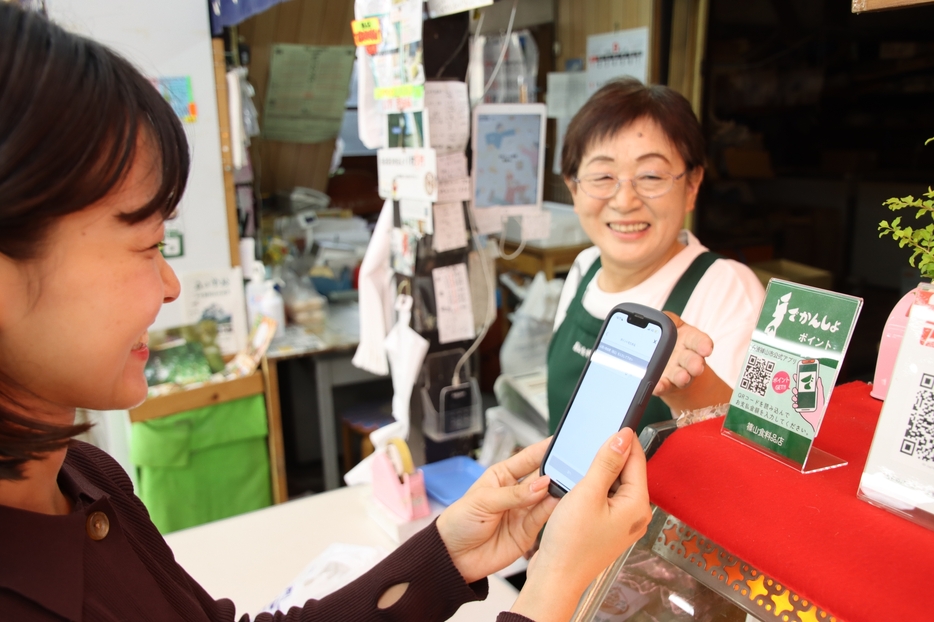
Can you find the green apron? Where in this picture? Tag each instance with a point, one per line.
(575, 338)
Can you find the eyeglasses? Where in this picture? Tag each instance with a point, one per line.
(650, 185)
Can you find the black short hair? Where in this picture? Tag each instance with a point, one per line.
(71, 111)
(71, 114)
(621, 102)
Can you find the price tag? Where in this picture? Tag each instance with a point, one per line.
(366, 31)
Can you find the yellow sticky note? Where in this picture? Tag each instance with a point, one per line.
(366, 31)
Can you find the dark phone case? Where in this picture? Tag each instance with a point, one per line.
(666, 344)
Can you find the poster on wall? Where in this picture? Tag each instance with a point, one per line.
(177, 91)
(308, 86)
(616, 54)
(216, 295)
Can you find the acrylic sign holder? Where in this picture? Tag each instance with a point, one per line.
(789, 374)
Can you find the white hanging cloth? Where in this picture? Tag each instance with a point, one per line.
(375, 292)
(406, 350)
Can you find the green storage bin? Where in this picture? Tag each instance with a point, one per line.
(203, 465)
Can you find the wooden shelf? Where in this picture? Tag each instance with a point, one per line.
(860, 6)
(262, 382)
(189, 399)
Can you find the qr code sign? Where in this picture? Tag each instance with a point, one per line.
(919, 435)
(757, 374)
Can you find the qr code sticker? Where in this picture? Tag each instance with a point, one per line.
(919, 435)
(757, 374)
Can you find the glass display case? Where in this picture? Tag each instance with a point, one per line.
(676, 574)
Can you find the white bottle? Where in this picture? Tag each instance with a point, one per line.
(254, 292)
(271, 305)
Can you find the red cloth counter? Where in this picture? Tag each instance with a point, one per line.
(810, 532)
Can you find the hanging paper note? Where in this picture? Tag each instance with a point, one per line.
(790, 370)
(453, 182)
(407, 174)
(450, 228)
(449, 110)
(397, 62)
(416, 215)
(453, 306)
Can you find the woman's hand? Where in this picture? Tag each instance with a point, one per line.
(688, 360)
(588, 530)
(687, 382)
(499, 518)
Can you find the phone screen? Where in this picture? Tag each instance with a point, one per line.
(610, 382)
(807, 384)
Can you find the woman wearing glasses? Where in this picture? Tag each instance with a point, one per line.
(633, 160)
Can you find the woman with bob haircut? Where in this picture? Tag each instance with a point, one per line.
(633, 159)
(92, 163)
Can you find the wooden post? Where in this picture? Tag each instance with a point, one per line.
(223, 120)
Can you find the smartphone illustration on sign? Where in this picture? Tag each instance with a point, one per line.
(808, 373)
(631, 352)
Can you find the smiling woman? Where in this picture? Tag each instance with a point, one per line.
(89, 132)
(92, 162)
(633, 159)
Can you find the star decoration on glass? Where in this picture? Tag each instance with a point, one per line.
(712, 558)
(671, 534)
(782, 602)
(809, 616)
(733, 573)
(690, 547)
(757, 587)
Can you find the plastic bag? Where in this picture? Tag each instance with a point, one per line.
(303, 304)
(526, 345)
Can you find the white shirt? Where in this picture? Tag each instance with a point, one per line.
(725, 304)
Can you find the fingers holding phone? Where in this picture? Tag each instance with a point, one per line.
(630, 354)
(589, 529)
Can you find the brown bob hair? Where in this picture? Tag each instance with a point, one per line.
(71, 112)
(621, 102)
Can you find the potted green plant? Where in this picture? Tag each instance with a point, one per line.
(920, 239)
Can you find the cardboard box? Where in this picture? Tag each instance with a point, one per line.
(792, 271)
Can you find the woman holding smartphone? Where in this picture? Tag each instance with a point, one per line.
(633, 160)
(92, 163)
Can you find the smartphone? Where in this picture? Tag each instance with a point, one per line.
(629, 357)
(808, 370)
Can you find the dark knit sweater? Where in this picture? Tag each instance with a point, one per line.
(51, 569)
